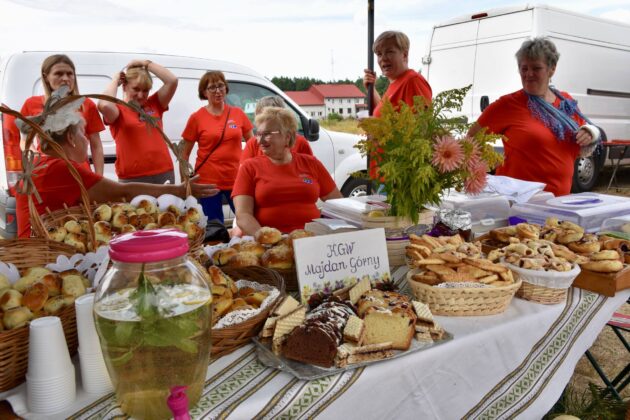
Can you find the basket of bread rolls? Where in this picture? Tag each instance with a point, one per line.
(455, 279)
(71, 225)
(269, 249)
(36, 292)
(242, 298)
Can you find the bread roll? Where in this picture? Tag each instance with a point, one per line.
(253, 247)
(73, 286)
(35, 297)
(73, 272)
(127, 228)
(54, 304)
(151, 225)
(268, 235)
(144, 220)
(222, 256)
(103, 213)
(193, 230)
(174, 209)
(299, 233)
(193, 214)
(243, 259)
(77, 240)
(25, 282)
(119, 220)
(11, 298)
(134, 219)
(52, 282)
(278, 257)
(57, 234)
(167, 218)
(84, 226)
(17, 317)
(148, 206)
(72, 226)
(4, 282)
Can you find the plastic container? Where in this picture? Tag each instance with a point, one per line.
(588, 210)
(152, 314)
(488, 210)
(617, 224)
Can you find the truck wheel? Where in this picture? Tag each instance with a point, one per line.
(355, 187)
(585, 174)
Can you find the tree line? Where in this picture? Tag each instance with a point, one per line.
(304, 83)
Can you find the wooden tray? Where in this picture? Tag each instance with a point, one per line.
(606, 284)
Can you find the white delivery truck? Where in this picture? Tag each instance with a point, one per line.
(20, 78)
(479, 49)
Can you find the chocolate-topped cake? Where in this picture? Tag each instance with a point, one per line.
(317, 339)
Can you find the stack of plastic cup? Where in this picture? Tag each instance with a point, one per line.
(50, 382)
(93, 370)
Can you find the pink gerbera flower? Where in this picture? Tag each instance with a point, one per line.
(477, 178)
(447, 154)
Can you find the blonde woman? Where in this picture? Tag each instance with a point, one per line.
(141, 154)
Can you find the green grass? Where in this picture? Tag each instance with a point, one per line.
(348, 125)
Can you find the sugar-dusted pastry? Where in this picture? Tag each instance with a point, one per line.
(268, 235)
(278, 257)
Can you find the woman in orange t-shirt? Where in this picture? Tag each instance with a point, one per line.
(58, 70)
(392, 52)
(281, 188)
(219, 130)
(252, 148)
(57, 187)
(543, 129)
(141, 153)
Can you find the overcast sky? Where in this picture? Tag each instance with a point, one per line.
(326, 39)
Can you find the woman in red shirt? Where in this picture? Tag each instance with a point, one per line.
(58, 70)
(543, 129)
(57, 187)
(279, 189)
(252, 148)
(219, 130)
(141, 153)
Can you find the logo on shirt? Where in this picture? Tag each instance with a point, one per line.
(306, 178)
(232, 124)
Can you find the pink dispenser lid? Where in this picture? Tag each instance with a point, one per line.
(177, 402)
(148, 246)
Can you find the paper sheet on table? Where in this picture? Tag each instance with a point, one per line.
(514, 189)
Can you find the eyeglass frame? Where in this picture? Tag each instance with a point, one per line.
(265, 134)
(216, 88)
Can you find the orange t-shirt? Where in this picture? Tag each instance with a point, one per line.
(285, 196)
(252, 148)
(532, 152)
(402, 90)
(206, 129)
(93, 123)
(140, 149)
(56, 186)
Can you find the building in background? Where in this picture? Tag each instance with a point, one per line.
(322, 100)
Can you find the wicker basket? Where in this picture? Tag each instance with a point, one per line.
(226, 340)
(57, 218)
(546, 287)
(541, 294)
(290, 278)
(25, 253)
(465, 301)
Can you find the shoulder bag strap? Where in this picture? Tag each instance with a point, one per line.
(216, 145)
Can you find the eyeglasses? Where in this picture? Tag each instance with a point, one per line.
(216, 88)
(265, 134)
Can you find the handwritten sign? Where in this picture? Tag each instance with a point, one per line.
(330, 262)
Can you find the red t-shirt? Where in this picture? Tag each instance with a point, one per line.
(252, 148)
(406, 87)
(206, 129)
(56, 186)
(285, 196)
(402, 90)
(140, 149)
(532, 152)
(93, 123)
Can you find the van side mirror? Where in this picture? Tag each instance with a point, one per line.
(484, 102)
(310, 127)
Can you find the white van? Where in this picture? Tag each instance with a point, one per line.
(20, 79)
(479, 49)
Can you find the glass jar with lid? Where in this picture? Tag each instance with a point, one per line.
(152, 313)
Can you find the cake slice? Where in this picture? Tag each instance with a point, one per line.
(388, 316)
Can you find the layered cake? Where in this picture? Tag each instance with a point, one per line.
(388, 317)
(317, 339)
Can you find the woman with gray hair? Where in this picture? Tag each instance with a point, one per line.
(280, 188)
(252, 148)
(543, 129)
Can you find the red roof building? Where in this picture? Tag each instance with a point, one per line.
(322, 100)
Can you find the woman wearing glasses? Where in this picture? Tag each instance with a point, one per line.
(141, 154)
(219, 129)
(279, 189)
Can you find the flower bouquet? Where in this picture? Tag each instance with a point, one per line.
(422, 150)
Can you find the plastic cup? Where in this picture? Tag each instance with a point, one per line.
(52, 395)
(94, 373)
(48, 355)
(86, 330)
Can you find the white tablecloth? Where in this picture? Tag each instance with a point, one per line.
(514, 364)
